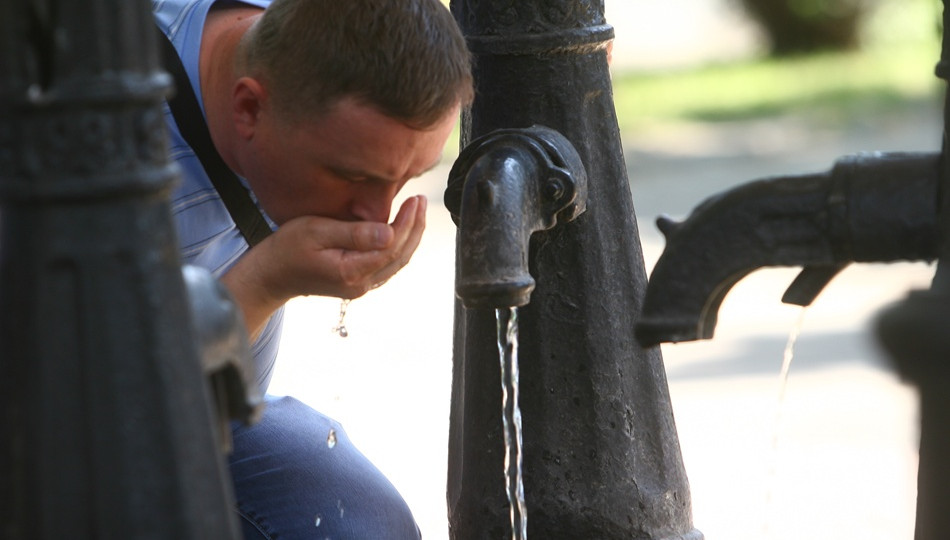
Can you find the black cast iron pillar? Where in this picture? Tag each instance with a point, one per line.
(106, 429)
(602, 459)
(914, 332)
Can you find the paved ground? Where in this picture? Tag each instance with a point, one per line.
(838, 458)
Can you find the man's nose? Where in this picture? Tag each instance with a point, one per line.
(376, 204)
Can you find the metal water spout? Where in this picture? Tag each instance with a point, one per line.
(504, 187)
(878, 207)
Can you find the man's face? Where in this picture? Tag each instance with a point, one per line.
(348, 165)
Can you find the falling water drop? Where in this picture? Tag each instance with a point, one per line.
(317, 520)
(331, 438)
(340, 328)
(511, 419)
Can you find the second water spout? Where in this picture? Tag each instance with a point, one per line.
(868, 208)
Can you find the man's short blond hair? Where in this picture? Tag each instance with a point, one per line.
(407, 58)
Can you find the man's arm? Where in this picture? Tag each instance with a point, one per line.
(321, 256)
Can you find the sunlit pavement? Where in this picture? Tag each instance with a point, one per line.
(837, 459)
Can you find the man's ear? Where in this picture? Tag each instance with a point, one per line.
(248, 100)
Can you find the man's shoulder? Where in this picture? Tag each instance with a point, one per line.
(174, 15)
(171, 15)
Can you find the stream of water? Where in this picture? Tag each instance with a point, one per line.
(511, 417)
(787, 355)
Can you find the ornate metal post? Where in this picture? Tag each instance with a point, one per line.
(602, 459)
(106, 429)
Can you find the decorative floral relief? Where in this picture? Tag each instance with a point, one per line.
(59, 144)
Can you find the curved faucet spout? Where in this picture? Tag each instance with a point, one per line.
(504, 187)
(869, 208)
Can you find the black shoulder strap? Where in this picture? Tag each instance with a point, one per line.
(187, 113)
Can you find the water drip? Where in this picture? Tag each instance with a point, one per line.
(340, 328)
(511, 418)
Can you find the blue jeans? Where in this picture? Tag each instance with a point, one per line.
(293, 479)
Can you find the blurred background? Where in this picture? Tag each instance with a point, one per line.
(709, 94)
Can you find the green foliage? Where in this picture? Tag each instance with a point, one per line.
(836, 84)
(805, 26)
(817, 9)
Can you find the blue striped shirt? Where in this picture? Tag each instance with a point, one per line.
(207, 235)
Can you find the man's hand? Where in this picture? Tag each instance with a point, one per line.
(316, 255)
